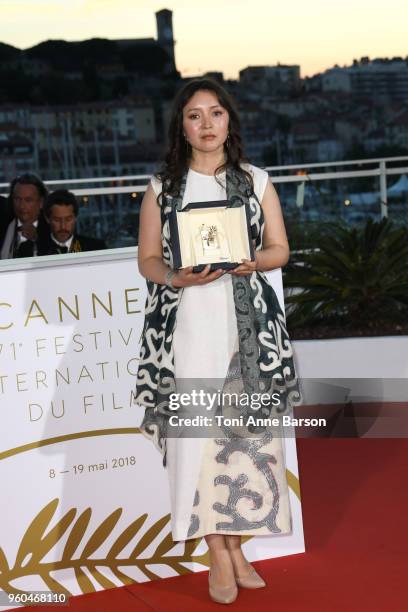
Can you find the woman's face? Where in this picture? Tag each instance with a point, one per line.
(205, 122)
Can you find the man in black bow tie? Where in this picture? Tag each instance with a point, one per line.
(28, 228)
(61, 211)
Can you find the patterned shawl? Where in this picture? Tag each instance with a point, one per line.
(264, 362)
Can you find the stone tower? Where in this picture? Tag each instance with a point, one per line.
(164, 19)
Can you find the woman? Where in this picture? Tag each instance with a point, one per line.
(203, 326)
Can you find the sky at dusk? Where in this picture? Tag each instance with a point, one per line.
(224, 35)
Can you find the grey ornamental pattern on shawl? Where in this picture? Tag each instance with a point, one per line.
(265, 354)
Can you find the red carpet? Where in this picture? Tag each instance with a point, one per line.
(355, 504)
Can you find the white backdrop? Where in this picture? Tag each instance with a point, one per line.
(87, 503)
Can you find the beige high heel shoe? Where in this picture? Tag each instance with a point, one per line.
(222, 595)
(251, 580)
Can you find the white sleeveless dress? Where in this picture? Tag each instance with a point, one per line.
(204, 341)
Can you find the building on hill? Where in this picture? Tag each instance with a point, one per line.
(150, 50)
(397, 130)
(91, 63)
(276, 80)
(17, 153)
(383, 78)
(165, 38)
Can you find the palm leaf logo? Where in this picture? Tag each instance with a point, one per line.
(41, 536)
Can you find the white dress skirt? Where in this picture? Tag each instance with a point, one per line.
(241, 496)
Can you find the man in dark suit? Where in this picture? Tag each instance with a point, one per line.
(28, 228)
(61, 211)
(6, 215)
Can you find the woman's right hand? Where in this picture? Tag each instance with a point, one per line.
(185, 277)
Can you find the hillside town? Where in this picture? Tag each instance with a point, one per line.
(101, 108)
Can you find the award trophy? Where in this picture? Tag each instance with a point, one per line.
(212, 233)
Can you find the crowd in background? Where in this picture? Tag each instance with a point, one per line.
(34, 222)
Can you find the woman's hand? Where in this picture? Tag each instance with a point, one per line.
(186, 277)
(246, 267)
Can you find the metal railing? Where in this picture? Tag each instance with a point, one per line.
(382, 171)
(294, 173)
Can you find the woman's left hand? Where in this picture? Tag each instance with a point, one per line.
(246, 267)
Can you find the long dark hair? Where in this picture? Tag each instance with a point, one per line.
(178, 155)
